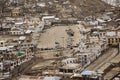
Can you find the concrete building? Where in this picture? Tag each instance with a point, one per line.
(17, 32)
(69, 66)
(69, 60)
(113, 37)
(91, 47)
(110, 35)
(15, 12)
(7, 12)
(15, 58)
(89, 52)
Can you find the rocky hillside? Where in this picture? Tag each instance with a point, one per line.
(82, 8)
(89, 7)
(113, 2)
(66, 8)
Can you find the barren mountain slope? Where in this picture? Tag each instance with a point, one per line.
(89, 7)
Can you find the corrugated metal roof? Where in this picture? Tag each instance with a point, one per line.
(87, 73)
(3, 48)
(52, 78)
(111, 34)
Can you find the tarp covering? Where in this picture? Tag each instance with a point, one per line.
(22, 37)
(20, 53)
(87, 73)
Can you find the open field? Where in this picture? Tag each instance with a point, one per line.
(58, 34)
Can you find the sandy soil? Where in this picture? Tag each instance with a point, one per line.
(58, 34)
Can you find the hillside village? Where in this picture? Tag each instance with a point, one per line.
(59, 40)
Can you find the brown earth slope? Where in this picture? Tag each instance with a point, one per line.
(75, 8)
(89, 7)
(78, 8)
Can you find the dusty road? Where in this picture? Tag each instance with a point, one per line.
(94, 66)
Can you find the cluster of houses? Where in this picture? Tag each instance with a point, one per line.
(19, 37)
(90, 48)
(23, 7)
(17, 42)
(20, 28)
(94, 42)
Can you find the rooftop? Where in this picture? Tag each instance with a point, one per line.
(71, 66)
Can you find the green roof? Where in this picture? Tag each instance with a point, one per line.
(20, 53)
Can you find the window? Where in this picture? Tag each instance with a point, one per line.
(117, 40)
(1, 43)
(85, 62)
(19, 32)
(13, 32)
(70, 71)
(12, 64)
(113, 40)
(109, 40)
(104, 34)
(61, 70)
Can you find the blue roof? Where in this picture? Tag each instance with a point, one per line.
(86, 73)
(52, 78)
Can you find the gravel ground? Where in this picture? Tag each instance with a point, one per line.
(58, 34)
